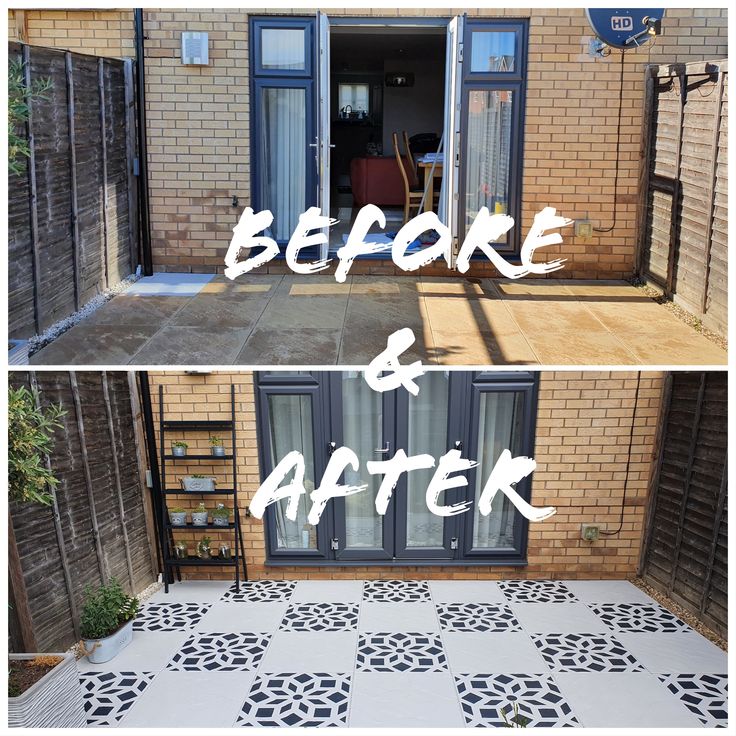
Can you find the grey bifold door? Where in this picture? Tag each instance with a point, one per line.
(479, 414)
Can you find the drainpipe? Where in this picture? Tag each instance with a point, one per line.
(145, 222)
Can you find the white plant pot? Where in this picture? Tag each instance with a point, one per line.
(179, 451)
(55, 701)
(178, 518)
(199, 518)
(218, 450)
(103, 650)
(220, 520)
(198, 485)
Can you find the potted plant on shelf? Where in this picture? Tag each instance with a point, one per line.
(107, 621)
(198, 483)
(224, 551)
(179, 448)
(216, 447)
(220, 515)
(178, 516)
(203, 548)
(199, 515)
(181, 551)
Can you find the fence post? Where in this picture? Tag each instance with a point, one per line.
(73, 173)
(103, 138)
(20, 596)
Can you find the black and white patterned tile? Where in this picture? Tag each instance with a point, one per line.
(396, 591)
(536, 591)
(401, 652)
(320, 617)
(513, 700)
(261, 591)
(108, 696)
(301, 700)
(636, 617)
(477, 617)
(585, 653)
(706, 696)
(170, 616)
(228, 652)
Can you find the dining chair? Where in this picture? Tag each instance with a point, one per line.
(412, 194)
(412, 168)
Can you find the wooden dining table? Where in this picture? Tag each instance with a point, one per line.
(426, 168)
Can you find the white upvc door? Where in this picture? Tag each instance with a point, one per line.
(449, 196)
(323, 117)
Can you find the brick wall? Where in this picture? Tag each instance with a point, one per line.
(199, 123)
(581, 451)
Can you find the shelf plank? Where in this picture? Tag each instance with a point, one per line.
(198, 457)
(196, 561)
(182, 492)
(193, 425)
(191, 527)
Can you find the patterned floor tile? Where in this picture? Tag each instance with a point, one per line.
(585, 653)
(631, 617)
(320, 617)
(303, 700)
(491, 700)
(536, 591)
(704, 695)
(220, 652)
(258, 591)
(169, 616)
(401, 652)
(109, 695)
(396, 591)
(477, 617)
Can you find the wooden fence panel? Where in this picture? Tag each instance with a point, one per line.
(53, 607)
(72, 208)
(685, 552)
(682, 246)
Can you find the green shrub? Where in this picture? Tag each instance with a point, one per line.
(30, 438)
(105, 610)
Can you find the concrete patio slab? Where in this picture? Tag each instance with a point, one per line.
(313, 320)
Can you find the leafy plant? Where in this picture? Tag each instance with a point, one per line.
(200, 508)
(105, 610)
(221, 511)
(180, 443)
(197, 475)
(30, 437)
(178, 510)
(216, 441)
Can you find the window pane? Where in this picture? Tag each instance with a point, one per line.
(427, 434)
(499, 429)
(283, 48)
(283, 157)
(362, 420)
(354, 95)
(290, 423)
(487, 161)
(493, 51)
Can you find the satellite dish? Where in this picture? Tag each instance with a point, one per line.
(625, 29)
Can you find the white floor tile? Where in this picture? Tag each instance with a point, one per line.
(192, 591)
(623, 700)
(190, 699)
(149, 651)
(404, 699)
(390, 617)
(489, 653)
(607, 591)
(242, 617)
(466, 591)
(311, 651)
(675, 653)
(337, 591)
(557, 618)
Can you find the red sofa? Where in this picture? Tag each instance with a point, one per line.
(376, 180)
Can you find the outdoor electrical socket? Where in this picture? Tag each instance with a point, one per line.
(590, 532)
(583, 229)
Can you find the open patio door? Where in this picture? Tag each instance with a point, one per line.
(323, 118)
(449, 196)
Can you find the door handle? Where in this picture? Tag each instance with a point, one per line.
(383, 450)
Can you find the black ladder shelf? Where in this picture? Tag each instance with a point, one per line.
(172, 563)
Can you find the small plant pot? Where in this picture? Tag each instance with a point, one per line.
(179, 451)
(55, 701)
(225, 552)
(199, 518)
(204, 553)
(198, 485)
(103, 650)
(181, 551)
(178, 518)
(220, 520)
(218, 450)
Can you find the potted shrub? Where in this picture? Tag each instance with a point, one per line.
(44, 692)
(181, 551)
(107, 621)
(178, 516)
(199, 515)
(220, 515)
(198, 483)
(203, 548)
(216, 446)
(179, 449)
